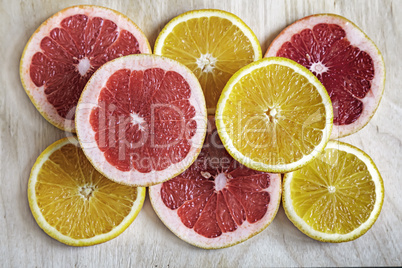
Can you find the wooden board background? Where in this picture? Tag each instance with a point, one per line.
(147, 243)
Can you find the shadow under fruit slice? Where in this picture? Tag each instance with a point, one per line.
(344, 59)
(75, 204)
(141, 119)
(64, 52)
(217, 202)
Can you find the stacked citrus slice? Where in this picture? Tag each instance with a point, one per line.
(141, 119)
(337, 197)
(274, 115)
(74, 203)
(67, 49)
(344, 59)
(217, 202)
(214, 44)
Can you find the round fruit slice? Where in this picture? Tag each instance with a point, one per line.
(141, 119)
(217, 202)
(66, 50)
(274, 115)
(344, 59)
(214, 44)
(337, 197)
(75, 204)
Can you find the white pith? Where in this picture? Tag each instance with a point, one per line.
(220, 181)
(379, 191)
(35, 93)
(356, 38)
(137, 120)
(52, 231)
(89, 100)
(318, 68)
(83, 66)
(206, 62)
(223, 132)
(246, 230)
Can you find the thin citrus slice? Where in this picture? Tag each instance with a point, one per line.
(217, 202)
(141, 119)
(214, 44)
(337, 197)
(274, 115)
(75, 204)
(344, 59)
(66, 50)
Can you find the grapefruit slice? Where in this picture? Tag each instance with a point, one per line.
(344, 59)
(217, 202)
(141, 119)
(66, 50)
(75, 204)
(214, 44)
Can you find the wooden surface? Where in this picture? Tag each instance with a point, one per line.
(147, 243)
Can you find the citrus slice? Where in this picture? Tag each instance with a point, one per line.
(337, 197)
(66, 50)
(75, 204)
(214, 44)
(274, 115)
(141, 119)
(344, 59)
(217, 202)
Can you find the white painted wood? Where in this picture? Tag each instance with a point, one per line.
(147, 243)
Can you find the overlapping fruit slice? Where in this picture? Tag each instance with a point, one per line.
(344, 59)
(74, 203)
(67, 49)
(217, 202)
(337, 197)
(141, 119)
(214, 44)
(274, 115)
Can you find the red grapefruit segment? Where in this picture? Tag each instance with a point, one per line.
(131, 134)
(344, 59)
(67, 49)
(217, 202)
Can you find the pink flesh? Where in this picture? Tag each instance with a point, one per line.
(211, 212)
(161, 100)
(55, 67)
(349, 73)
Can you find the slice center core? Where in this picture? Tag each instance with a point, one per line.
(86, 191)
(206, 62)
(318, 68)
(83, 66)
(137, 120)
(220, 181)
(331, 189)
(272, 114)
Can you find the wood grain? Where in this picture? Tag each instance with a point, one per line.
(147, 243)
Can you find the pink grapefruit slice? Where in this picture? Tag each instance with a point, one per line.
(66, 50)
(344, 59)
(141, 119)
(217, 202)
